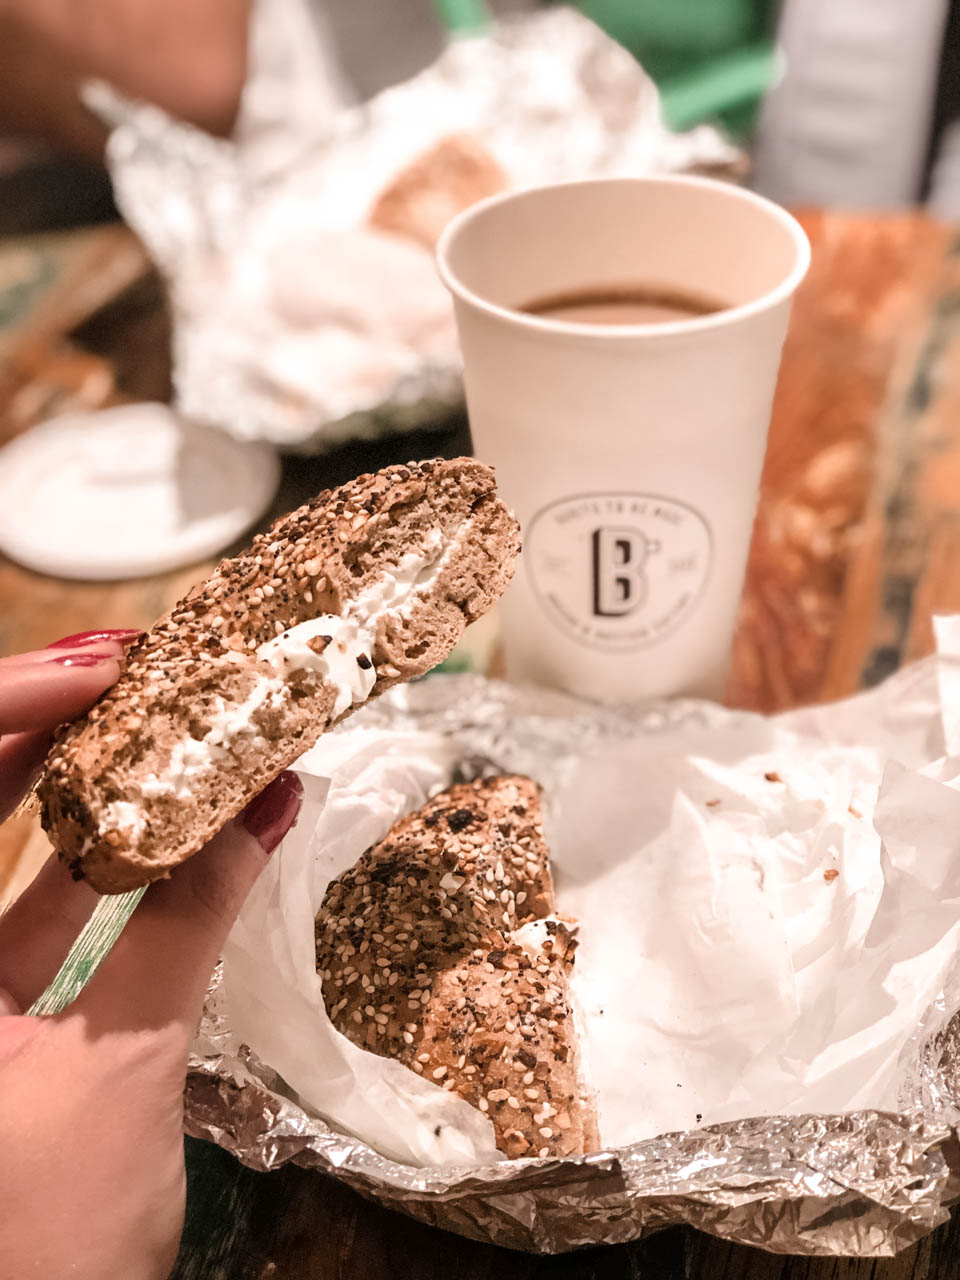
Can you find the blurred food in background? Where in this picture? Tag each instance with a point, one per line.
(299, 253)
(286, 167)
(859, 106)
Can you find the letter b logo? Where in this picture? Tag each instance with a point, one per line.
(619, 576)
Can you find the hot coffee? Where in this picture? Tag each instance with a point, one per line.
(623, 305)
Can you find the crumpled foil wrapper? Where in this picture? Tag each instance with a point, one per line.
(295, 321)
(864, 1183)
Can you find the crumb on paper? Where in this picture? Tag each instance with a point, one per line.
(856, 812)
(712, 804)
(830, 874)
(773, 776)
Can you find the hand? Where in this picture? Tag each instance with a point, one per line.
(91, 1125)
(187, 56)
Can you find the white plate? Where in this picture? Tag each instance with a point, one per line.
(128, 492)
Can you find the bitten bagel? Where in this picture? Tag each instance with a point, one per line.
(365, 586)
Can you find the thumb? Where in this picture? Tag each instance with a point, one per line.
(158, 970)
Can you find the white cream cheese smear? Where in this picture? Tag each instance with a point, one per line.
(337, 646)
(533, 935)
(121, 815)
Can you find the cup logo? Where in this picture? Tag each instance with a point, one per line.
(619, 578)
(618, 570)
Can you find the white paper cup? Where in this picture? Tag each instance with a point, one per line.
(630, 454)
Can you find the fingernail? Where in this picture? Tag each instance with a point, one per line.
(125, 635)
(78, 660)
(271, 814)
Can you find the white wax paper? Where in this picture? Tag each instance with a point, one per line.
(769, 908)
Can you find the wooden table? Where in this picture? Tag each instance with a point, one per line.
(857, 544)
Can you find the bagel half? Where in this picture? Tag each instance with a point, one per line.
(440, 948)
(365, 586)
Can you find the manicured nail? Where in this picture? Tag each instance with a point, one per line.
(78, 660)
(126, 635)
(271, 814)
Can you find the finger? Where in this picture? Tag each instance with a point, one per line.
(115, 635)
(21, 759)
(159, 968)
(41, 695)
(40, 928)
(111, 643)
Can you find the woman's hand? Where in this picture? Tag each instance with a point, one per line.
(91, 1134)
(187, 56)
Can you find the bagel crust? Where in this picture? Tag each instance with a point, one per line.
(439, 948)
(363, 587)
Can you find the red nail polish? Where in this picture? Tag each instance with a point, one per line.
(125, 635)
(271, 814)
(77, 660)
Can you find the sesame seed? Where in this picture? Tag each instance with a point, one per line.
(543, 1152)
(532, 1094)
(439, 1073)
(423, 1057)
(483, 1104)
(545, 1132)
(512, 1102)
(407, 1038)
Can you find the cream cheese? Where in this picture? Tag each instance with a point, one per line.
(193, 756)
(121, 815)
(533, 935)
(345, 660)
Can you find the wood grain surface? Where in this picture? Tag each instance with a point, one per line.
(856, 547)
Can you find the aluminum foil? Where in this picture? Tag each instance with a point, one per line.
(295, 320)
(864, 1182)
